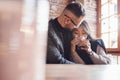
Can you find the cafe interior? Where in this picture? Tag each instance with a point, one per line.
(23, 40)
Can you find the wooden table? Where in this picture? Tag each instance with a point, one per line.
(82, 72)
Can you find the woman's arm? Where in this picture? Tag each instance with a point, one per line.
(75, 56)
(100, 57)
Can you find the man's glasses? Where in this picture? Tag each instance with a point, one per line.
(75, 25)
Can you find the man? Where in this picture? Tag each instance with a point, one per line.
(70, 18)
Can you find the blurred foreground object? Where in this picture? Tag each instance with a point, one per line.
(23, 39)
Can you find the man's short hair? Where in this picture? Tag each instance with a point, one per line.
(76, 8)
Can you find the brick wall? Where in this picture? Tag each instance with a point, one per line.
(57, 6)
(91, 14)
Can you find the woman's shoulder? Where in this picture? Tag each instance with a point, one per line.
(99, 42)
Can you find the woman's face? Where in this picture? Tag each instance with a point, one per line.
(79, 32)
(82, 33)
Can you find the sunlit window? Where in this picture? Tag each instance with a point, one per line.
(109, 23)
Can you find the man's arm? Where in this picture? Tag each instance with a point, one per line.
(54, 54)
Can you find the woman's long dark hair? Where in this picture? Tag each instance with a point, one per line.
(86, 28)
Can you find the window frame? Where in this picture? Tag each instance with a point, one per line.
(110, 50)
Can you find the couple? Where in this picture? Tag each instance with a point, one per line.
(62, 49)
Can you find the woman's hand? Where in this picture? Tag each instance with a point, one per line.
(74, 42)
(85, 45)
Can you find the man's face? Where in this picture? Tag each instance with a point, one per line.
(74, 22)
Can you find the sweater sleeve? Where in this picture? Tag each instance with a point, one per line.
(100, 57)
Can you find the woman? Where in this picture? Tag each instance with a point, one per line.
(86, 50)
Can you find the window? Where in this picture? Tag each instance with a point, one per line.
(108, 23)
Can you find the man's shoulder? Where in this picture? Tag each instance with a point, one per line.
(51, 21)
(52, 32)
(51, 26)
